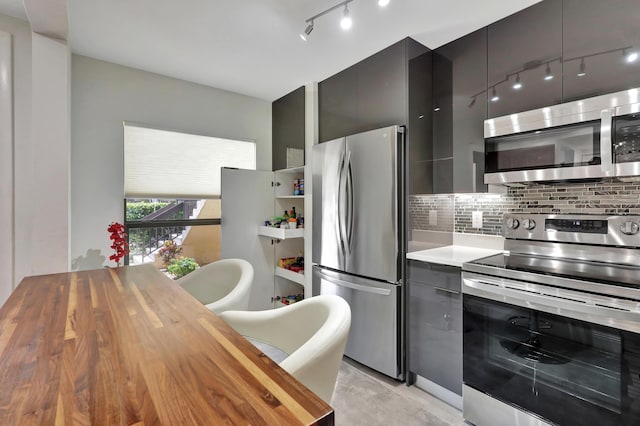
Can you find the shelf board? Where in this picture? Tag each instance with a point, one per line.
(290, 196)
(291, 170)
(290, 275)
(280, 234)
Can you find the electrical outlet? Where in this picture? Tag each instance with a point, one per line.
(433, 217)
(476, 219)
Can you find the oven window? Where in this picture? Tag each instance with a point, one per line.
(567, 371)
(567, 146)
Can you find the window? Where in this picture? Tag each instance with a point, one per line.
(172, 190)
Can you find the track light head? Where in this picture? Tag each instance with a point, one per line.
(548, 76)
(631, 57)
(518, 84)
(582, 71)
(494, 95)
(346, 22)
(307, 31)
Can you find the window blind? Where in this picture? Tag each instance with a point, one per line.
(166, 164)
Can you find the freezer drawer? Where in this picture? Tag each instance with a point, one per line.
(374, 337)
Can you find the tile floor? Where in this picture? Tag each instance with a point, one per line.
(365, 397)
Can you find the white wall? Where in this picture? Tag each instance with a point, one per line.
(49, 190)
(21, 159)
(103, 95)
(6, 167)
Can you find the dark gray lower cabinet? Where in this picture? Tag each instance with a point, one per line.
(435, 324)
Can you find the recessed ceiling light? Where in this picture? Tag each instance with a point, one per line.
(383, 3)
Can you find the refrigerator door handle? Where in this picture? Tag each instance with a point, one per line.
(358, 287)
(339, 222)
(349, 214)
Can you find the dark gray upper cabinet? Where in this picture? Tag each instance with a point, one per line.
(597, 36)
(459, 110)
(287, 127)
(420, 124)
(382, 89)
(338, 105)
(522, 45)
(390, 87)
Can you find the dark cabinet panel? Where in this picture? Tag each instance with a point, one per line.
(597, 38)
(435, 324)
(287, 126)
(520, 47)
(382, 89)
(390, 87)
(460, 108)
(420, 123)
(338, 105)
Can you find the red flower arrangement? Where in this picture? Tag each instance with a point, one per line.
(119, 242)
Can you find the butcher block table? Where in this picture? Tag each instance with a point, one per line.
(128, 346)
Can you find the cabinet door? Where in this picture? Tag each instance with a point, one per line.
(419, 136)
(435, 324)
(337, 105)
(247, 201)
(382, 89)
(287, 118)
(460, 107)
(520, 46)
(597, 37)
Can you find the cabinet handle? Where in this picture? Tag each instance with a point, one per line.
(446, 290)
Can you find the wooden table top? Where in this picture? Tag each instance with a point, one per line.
(129, 346)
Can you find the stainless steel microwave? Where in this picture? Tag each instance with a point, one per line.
(586, 139)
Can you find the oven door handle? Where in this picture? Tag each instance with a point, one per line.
(596, 309)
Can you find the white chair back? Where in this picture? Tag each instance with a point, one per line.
(313, 332)
(221, 285)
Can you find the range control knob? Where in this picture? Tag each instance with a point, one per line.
(529, 224)
(629, 228)
(512, 223)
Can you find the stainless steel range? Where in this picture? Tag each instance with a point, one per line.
(552, 328)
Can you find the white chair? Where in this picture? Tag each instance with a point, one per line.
(221, 285)
(313, 332)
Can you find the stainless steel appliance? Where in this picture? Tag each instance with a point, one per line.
(587, 139)
(358, 239)
(551, 328)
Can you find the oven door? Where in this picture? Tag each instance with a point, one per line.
(568, 357)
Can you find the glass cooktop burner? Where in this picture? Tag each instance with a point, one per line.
(606, 273)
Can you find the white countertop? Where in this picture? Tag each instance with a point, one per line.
(451, 255)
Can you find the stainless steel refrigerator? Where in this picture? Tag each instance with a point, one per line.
(358, 240)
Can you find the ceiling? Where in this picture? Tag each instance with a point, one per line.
(252, 47)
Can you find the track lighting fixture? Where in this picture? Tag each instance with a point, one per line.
(582, 71)
(346, 22)
(472, 103)
(517, 85)
(307, 31)
(632, 57)
(548, 76)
